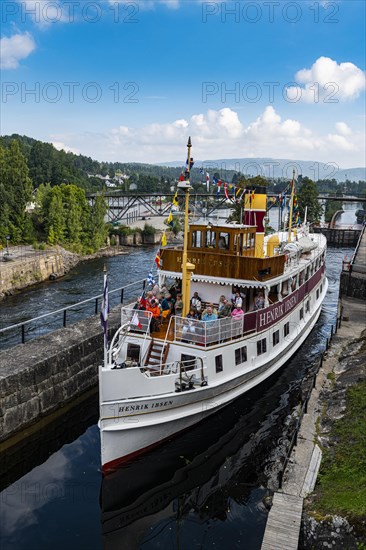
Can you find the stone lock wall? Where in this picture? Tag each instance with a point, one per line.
(41, 376)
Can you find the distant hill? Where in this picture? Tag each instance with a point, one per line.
(278, 168)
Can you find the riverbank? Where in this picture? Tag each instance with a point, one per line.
(330, 437)
(25, 266)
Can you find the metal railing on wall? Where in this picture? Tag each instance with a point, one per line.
(21, 333)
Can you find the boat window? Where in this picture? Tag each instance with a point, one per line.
(189, 361)
(286, 329)
(276, 337)
(317, 294)
(218, 363)
(133, 352)
(261, 346)
(301, 313)
(321, 287)
(224, 240)
(210, 239)
(240, 355)
(301, 278)
(196, 239)
(307, 307)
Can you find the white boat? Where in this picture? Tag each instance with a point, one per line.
(153, 386)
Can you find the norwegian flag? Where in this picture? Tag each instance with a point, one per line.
(136, 321)
(226, 190)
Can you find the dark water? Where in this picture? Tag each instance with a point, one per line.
(203, 489)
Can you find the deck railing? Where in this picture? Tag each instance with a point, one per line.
(208, 333)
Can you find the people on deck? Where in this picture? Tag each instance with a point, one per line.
(225, 310)
(178, 306)
(154, 309)
(237, 312)
(259, 301)
(210, 315)
(196, 302)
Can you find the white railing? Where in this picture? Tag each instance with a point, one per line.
(191, 372)
(207, 333)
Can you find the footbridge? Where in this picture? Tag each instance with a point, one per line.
(128, 208)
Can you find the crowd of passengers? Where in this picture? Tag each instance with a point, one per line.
(162, 302)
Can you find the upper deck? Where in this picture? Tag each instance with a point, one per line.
(223, 251)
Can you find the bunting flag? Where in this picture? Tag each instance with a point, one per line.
(136, 321)
(163, 240)
(150, 278)
(218, 182)
(175, 199)
(170, 219)
(157, 261)
(104, 312)
(207, 182)
(226, 191)
(191, 163)
(181, 177)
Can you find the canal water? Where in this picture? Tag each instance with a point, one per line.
(203, 489)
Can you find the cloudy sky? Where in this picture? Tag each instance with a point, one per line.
(124, 80)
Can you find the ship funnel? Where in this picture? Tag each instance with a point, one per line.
(255, 208)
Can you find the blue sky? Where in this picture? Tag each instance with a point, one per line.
(277, 79)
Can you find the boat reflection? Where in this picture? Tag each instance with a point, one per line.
(207, 476)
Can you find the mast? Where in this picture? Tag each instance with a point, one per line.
(187, 268)
(291, 207)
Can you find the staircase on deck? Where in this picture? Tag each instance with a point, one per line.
(156, 356)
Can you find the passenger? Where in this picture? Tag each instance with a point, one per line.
(156, 291)
(237, 313)
(214, 310)
(259, 301)
(196, 302)
(154, 309)
(222, 242)
(209, 315)
(238, 301)
(221, 303)
(178, 306)
(225, 311)
(165, 307)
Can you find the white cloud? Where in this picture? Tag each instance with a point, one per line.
(15, 48)
(343, 129)
(60, 146)
(328, 82)
(220, 134)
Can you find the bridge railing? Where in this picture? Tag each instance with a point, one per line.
(44, 324)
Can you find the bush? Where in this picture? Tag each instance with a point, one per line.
(148, 229)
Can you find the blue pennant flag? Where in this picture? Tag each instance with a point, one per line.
(104, 311)
(150, 279)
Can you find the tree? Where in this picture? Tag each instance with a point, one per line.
(98, 229)
(16, 193)
(307, 196)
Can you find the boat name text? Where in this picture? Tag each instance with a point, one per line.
(277, 312)
(144, 406)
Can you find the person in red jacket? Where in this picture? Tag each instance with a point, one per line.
(154, 309)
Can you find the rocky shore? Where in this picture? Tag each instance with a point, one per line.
(25, 266)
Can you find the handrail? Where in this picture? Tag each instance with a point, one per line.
(69, 307)
(357, 247)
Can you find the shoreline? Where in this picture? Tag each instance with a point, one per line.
(29, 267)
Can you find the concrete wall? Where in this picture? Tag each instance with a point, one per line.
(41, 376)
(353, 285)
(30, 266)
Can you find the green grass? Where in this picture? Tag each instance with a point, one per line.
(341, 485)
